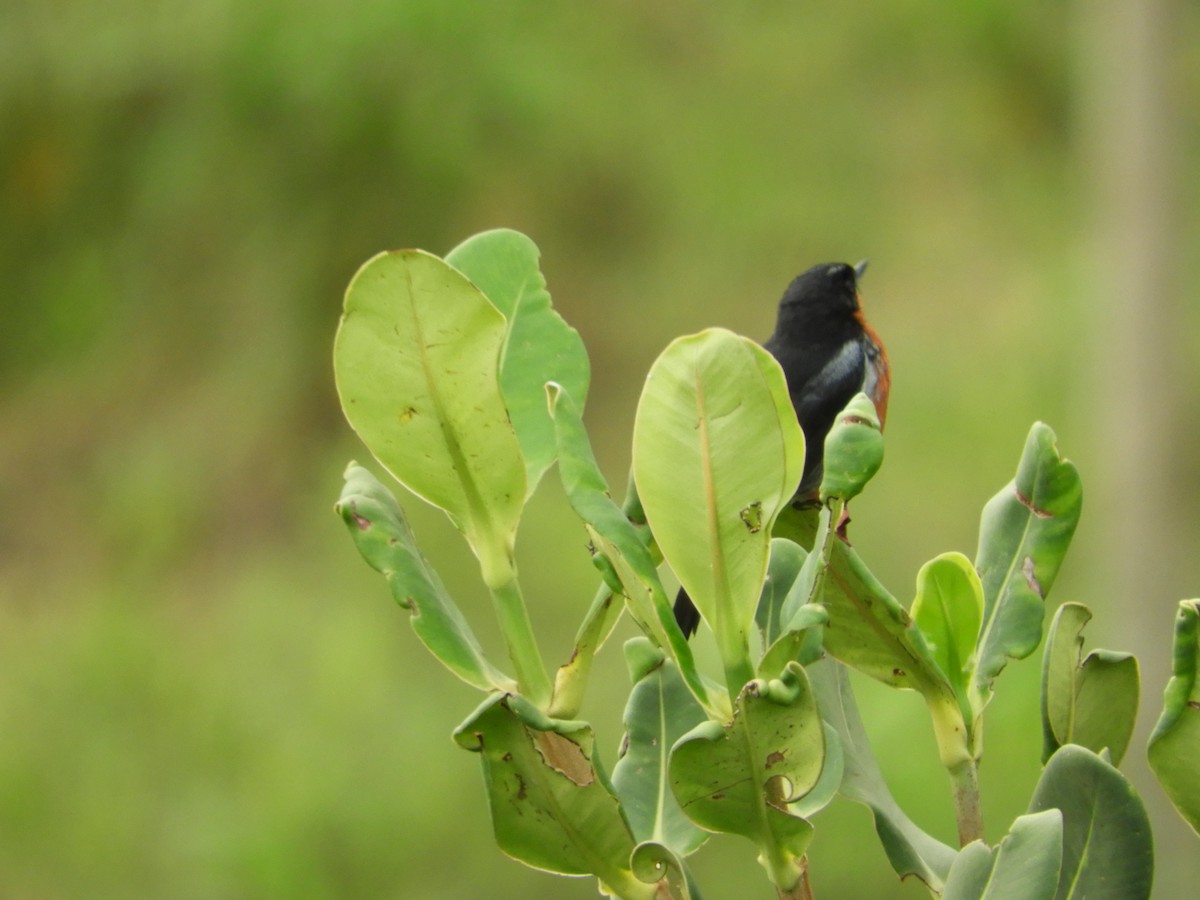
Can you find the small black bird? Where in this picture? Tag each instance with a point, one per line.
(828, 354)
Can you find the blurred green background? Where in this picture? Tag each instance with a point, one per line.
(203, 690)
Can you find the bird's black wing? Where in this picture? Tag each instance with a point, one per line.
(820, 398)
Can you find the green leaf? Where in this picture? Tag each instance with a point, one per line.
(620, 546)
(830, 782)
(377, 524)
(948, 610)
(659, 712)
(788, 619)
(783, 568)
(1174, 745)
(538, 347)
(853, 450)
(416, 360)
(1108, 852)
(551, 806)
(717, 452)
(1023, 866)
(910, 850)
(740, 777)
(1024, 534)
(1092, 702)
(869, 630)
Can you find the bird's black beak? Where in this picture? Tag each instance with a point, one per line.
(861, 269)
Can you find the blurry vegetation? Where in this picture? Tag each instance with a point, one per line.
(195, 699)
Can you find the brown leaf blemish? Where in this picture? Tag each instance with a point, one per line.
(752, 517)
(1028, 504)
(564, 756)
(1027, 569)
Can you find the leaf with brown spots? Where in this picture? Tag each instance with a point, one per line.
(551, 806)
(381, 533)
(1024, 534)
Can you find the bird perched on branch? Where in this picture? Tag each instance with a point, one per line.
(828, 354)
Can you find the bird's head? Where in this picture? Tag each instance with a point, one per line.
(828, 288)
(825, 294)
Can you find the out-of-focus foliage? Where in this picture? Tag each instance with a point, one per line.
(197, 695)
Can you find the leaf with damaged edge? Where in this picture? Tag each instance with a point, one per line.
(739, 777)
(539, 345)
(377, 524)
(1174, 745)
(552, 808)
(1024, 534)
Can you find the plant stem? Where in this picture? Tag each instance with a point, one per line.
(735, 655)
(517, 629)
(967, 809)
(571, 679)
(803, 889)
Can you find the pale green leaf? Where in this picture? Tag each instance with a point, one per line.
(948, 610)
(717, 452)
(416, 362)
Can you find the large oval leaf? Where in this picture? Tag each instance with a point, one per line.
(1108, 853)
(717, 452)
(539, 345)
(416, 361)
